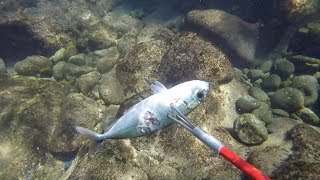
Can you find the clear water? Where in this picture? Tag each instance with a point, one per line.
(83, 63)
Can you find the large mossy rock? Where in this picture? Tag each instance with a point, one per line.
(29, 113)
(192, 57)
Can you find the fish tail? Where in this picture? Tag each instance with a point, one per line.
(89, 134)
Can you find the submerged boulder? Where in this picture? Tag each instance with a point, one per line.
(233, 32)
(191, 57)
(34, 65)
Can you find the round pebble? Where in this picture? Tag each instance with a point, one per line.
(272, 82)
(308, 85)
(247, 104)
(250, 129)
(288, 99)
(284, 68)
(258, 94)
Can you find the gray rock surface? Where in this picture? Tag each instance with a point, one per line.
(34, 65)
(308, 85)
(238, 35)
(288, 99)
(247, 103)
(250, 130)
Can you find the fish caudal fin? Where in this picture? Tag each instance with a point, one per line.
(89, 134)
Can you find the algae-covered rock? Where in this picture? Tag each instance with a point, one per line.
(288, 99)
(191, 57)
(305, 64)
(110, 89)
(308, 85)
(246, 104)
(284, 68)
(258, 94)
(79, 59)
(29, 113)
(107, 62)
(3, 70)
(266, 66)
(271, 82)
(255, 74)
(58, 70)
(264, 113)
(304, 161)
(142, 61)
(280, 113)
(75, 70)
(250, 130)
(64, 53)
(76, 110)
(235, 33)
(33, 65)
(308, 116)
(86, 82)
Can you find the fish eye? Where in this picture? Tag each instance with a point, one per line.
(200, 95)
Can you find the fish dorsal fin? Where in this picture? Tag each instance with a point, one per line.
(157, 87)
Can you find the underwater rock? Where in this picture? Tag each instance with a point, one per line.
(266, 66)
(297, 10)
(123, 23)
(99, 35)
(79, 110)
(288, 99)
(75, 70)
(64, 54)
(258, 94)
(250, 130)
(34, 65)
(233, 32)
(284, 68)
(271, 82)
(3, 69)
(264, 113)
(106, 63)
(308, 85)
(29, 112)
(305, 64)
(247, 103)
(79, 59)
(142, 61)
(280, 113)
(308, 116)
(58, 70)
(110, 89)
(191, 57)
(86, 82)
(255, 74)
(304, 161)
(126, 42)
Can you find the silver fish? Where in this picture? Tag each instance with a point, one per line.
(152, 113)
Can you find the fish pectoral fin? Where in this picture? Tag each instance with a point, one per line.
(157, 87)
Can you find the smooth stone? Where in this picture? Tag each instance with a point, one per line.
(238, 74)
(64, 54)
(245, 70)
(75, 70)
(247, 104)
(288, 99)
(308, 116)
(86, 82)
(266, 66)
(284, 68)
(258, 94)
(272, 82)
(58, 69)
(264, 113)
(280, 113)
(34, 65)
(257, 82)
(308, 85)
(79, 59)
(255, 74)
(250, 130)
(285, 83)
